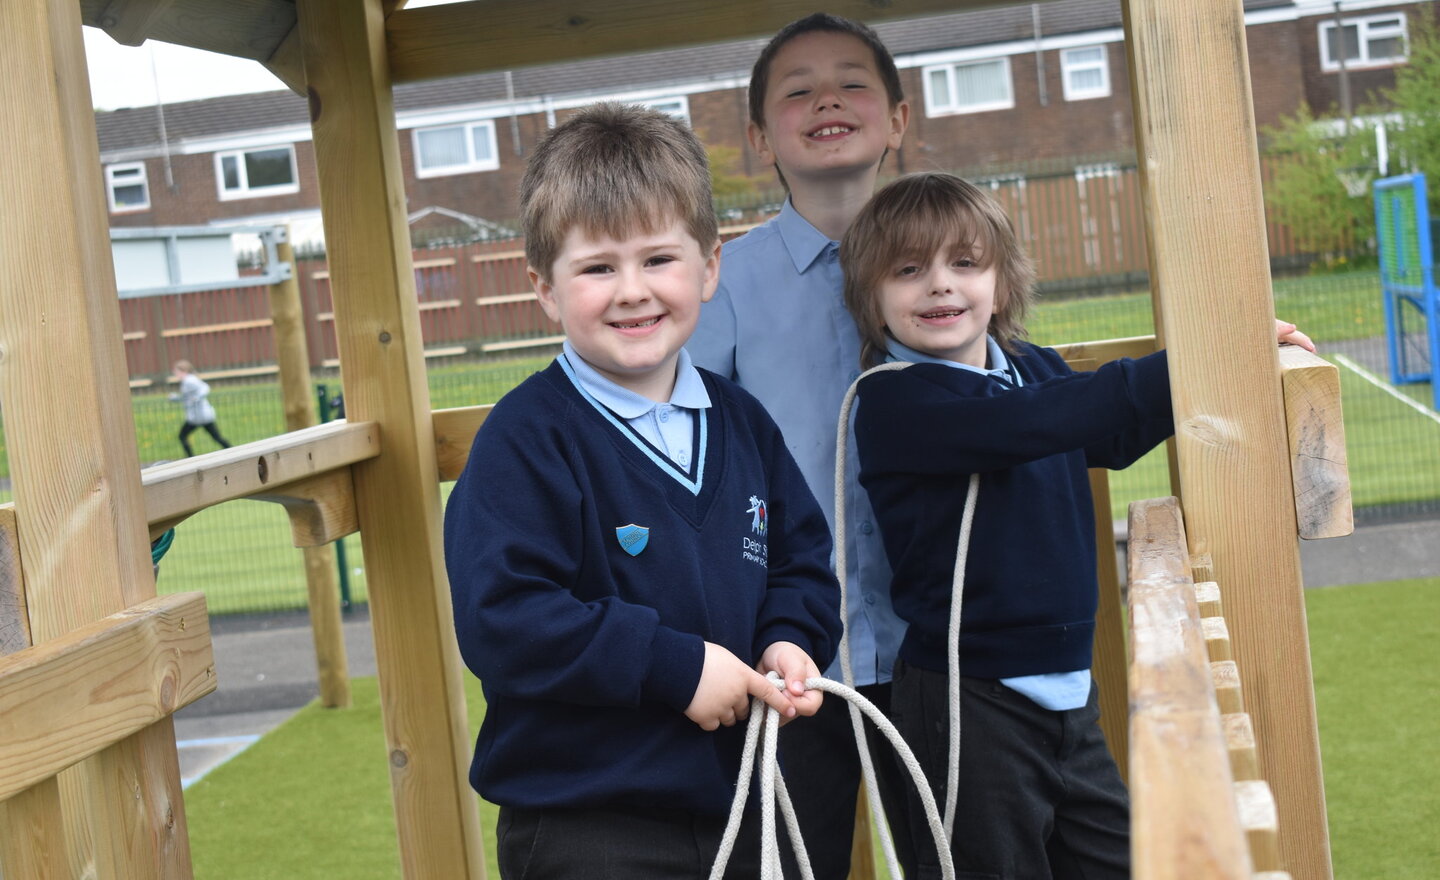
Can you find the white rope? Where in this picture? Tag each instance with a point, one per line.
(957, 593)
(867, 767)
(766, 721)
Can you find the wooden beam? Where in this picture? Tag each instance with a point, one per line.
(484, 35)
(1261, 823)
(14, 625)
(1217, 638)
(1240, 742)
(1318, 464)
(1184, 820)
(1207, 596)
(181, 488)
(1091, 355)
(287, 62)
(83, 540)
(66, 699)
(321, 509)
(128, 22)
(1110, 662)
(1205, 216)
(377, 330)
(455, 431)
(252, 29)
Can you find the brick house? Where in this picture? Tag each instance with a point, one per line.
(995, 93)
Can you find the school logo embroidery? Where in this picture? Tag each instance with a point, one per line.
(632, 538)
(756, 549)
(759, 523)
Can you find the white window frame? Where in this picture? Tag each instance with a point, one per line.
(246, 191)
(472, 164)
(1069, 66)
(933, 108)
(111, 183)
(1368, 28)
(677, 106)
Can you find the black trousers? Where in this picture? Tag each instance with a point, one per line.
(189, 428)
(619, 844)
(822, 774)
(1039, 795)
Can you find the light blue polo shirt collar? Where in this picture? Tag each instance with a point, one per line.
(999, 367)
(802, 240)
(689, 389)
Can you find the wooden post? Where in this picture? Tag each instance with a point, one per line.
(1110, 662)
(1195, 135)
(377, 326)
(292, 354)
(83, 536)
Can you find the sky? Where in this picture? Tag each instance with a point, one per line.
(120, 76)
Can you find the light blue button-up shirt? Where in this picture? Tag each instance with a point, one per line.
(1055, 690)
(778, 327)
(669, 427)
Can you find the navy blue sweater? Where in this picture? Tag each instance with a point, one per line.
(589, 655)
(1030, 587)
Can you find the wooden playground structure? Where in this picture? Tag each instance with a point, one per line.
(94, 664)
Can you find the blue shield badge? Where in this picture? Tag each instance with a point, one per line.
(632, 538)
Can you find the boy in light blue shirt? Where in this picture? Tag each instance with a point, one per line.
(825, 106)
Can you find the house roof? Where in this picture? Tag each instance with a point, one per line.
(138, 128)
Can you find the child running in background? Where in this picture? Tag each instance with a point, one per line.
(826, 105)
(935, 276)
(194, 394)
(630, 540)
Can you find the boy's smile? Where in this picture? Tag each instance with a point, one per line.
(826, 108)
(629, 305)
(941, 306)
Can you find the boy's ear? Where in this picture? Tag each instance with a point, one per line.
(712, 274)
(545, 292)
(899, 121)
(760, 143)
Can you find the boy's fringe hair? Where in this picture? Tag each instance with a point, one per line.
(910, 219)
(615, 170)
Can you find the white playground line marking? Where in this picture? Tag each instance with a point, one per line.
(243, 742)
(1387, 388)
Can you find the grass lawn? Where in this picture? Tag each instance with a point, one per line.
(311, 799)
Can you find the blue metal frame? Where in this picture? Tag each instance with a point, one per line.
(1405, 283)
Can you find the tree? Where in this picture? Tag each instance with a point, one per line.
(1415, 99)
(1319, 186)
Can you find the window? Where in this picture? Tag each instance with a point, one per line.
(678, 107)
(127, 187)
(968, 88)
(1085, 73)
(1369, 42)
(455, 149)
(268, 171)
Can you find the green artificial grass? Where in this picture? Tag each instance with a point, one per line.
(312, 798)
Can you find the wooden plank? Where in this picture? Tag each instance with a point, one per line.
(176, 490)
(454, 434)
(83, 538)
(377, 330)
(1207, 596)
(1093, 354)
(128, 22)
(506, 298)
(134, 335)
(522, 343)
(236, 373)
(437, 304)
(14, 625)
(433, 263)
(1205, 215)
(1228, 692)
(252, 29)
(1261, 823)
(1240, 742)
(483, 35)
(321, 586)
(228, 327)
(67, 698)
(1318, 464)
(1184, 820)
(1217, 638)
(1110, 662)
(498, 256)
(862, 845)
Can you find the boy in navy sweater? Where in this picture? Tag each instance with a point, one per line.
(630, 546)
(934, 276)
